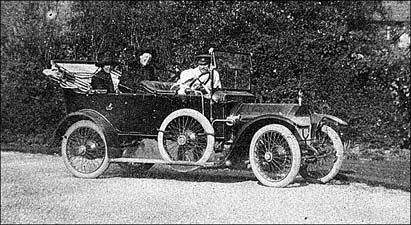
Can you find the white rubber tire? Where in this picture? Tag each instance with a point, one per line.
(295, 156)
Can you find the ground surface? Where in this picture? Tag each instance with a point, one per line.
(36, 188)
(393, 174)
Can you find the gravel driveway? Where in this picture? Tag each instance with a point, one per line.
(37, 188)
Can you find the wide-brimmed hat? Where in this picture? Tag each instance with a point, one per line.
(152, 52)
(203, 59)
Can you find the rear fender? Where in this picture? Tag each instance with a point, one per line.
(87, 114)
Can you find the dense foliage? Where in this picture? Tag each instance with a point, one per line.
(329, 50)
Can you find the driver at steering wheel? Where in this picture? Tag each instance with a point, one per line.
(198, 78)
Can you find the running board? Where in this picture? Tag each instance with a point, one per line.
(159, 161)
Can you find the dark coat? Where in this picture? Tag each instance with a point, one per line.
(102, 80)
(138, 73)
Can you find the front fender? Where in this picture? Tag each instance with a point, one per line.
(248, 129)
(87, 114)
(317, 118)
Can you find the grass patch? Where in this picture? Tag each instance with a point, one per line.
(391, 173)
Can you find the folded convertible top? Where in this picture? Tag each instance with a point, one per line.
(75, 75)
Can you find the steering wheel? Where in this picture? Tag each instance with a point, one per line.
(202, 83)
(191, 82)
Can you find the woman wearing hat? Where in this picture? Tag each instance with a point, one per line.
(102, 79)
(198, 77)
(142, 68)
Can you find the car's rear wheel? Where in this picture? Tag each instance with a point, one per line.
(84, 150)
(186, 135)
(327, 164)
(275, 155)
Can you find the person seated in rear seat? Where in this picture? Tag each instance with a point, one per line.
(141, 69)
(102, 79)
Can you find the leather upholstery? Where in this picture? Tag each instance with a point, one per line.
(157, 87)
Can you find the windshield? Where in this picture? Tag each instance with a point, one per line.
(234, 70)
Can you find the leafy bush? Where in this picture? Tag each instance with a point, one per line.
(329, 50)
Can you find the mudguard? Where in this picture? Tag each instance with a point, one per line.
(88, 114)
(254, 116)
(261, 121)
(317, 118)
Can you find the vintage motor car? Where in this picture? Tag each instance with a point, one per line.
(156, 125)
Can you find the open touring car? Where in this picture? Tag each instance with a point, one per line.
(156, 125)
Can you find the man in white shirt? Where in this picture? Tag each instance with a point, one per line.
(198, 78)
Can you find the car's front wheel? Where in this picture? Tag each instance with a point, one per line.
(327, 164)
(275, 155)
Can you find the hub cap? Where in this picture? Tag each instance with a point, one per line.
(82, 150)
(268, 156)
(181, 140)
